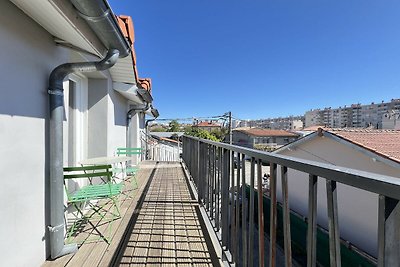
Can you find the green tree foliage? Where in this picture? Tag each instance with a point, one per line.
(201, 133)
(220, 133)
(174, 126)
(158, 129)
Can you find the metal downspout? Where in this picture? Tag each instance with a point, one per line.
(146, 125)
(129, 119)
(56, 99)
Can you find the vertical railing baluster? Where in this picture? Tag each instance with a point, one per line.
(312, 221)
(232, 239)
(388, 232)
(225, 198)
(286, 217)
(201, 168)
(237, 208)
(213, 186)
(260, 212)
(244, 212)
(217, 193)
(207, 192)
(273, 215)
(333, 222)
(251, 213)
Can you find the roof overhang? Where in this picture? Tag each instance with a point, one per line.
(129, 91)
(152, 112)
(62, 20)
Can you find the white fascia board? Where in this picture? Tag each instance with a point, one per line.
(129, 91)
(60, 19)
(296, 143)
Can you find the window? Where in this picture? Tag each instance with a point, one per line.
(75, 140)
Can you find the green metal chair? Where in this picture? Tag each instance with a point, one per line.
(132, 170)
(100, 188)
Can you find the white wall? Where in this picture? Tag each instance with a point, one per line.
(117, 122)
(28, 55)
(358, 209)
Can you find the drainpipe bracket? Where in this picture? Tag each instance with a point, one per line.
(56, 228)
(55, 92)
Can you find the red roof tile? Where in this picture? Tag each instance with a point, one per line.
(126, 25)
(267, 132)
(207, 124)
(383, 142)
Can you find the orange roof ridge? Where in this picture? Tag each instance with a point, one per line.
(126, 25)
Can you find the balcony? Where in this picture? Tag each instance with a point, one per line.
(205, 211)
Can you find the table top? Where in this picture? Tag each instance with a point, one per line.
(104, 160)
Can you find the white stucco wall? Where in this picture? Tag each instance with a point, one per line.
(28, 55)
(358, 209)
(117, 112)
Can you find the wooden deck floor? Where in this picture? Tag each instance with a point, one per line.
(167, 231)
(160, 226)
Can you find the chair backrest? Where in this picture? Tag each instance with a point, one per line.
(91, 171)
(103, 172)
(129, 151)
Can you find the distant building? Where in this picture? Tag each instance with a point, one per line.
(280, 123)
(376, 151)
(391, 120)
(208, 126)
(312, 118)
(355, 115)
(250, 137)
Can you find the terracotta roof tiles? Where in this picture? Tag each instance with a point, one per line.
(383, 142)
(126, 25)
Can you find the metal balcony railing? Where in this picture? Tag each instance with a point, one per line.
(158, 150)
(221, 185)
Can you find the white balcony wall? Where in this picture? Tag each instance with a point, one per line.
(358, 209)
(28, 55)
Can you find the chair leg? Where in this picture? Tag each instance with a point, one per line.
(95, 210)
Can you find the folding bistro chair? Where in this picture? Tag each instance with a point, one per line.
(100, 188)
(132, 170)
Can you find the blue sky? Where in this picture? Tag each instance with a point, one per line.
(265, 58)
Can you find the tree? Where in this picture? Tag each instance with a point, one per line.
(220, 133)
(196, 132)
(157, 129)
(174, 126)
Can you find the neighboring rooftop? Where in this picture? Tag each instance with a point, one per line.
(383, 142)
(207, 124)
(265, 132)
(313, 128)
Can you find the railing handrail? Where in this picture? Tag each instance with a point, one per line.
(372, 182)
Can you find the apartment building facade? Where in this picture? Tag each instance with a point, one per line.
(355, 115)
(280, 123)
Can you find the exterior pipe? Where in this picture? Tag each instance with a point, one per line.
(146, 125)
(128, 120)
(56, 98)
(100, 18)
